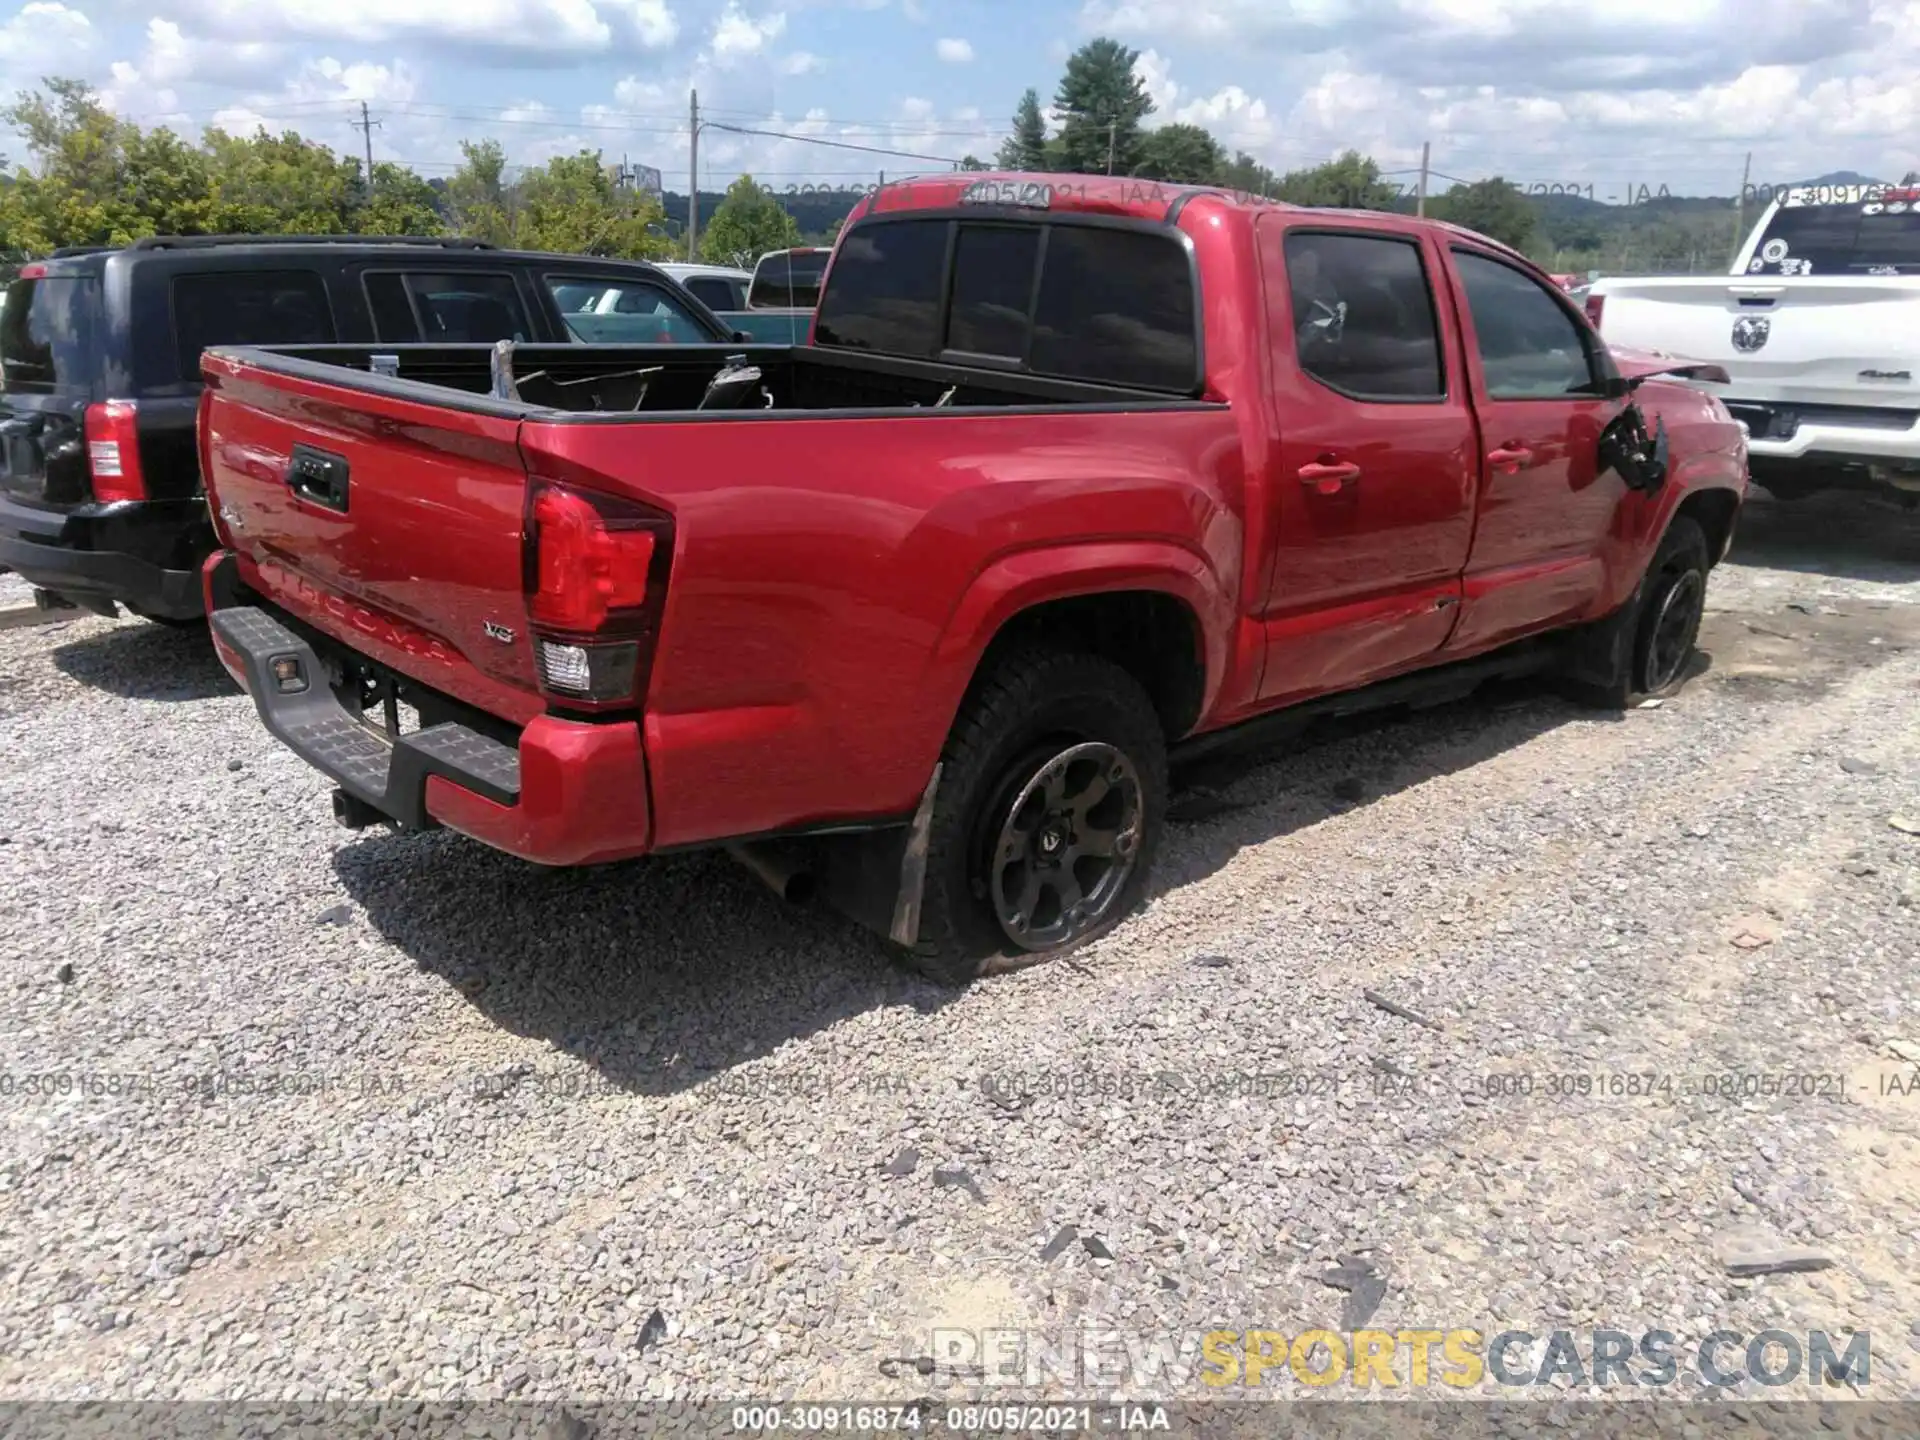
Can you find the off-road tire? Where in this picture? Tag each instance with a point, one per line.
(1030, 700)
(1664, 637)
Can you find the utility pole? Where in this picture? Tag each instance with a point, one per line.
(693, 175)
(366, 126)
(1113, 131)
(1426, 154)
(1740, 206)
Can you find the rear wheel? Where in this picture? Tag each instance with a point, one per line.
(1052, 794)
(1673, 603)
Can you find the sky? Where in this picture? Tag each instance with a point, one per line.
(1609, 96)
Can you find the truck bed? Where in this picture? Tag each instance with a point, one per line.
(671, 380)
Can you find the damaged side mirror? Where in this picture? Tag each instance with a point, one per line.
(1637, 455)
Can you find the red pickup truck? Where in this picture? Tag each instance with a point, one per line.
(1076, 473)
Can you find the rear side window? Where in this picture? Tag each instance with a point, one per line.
(886, 289)
(1363, 316)
(49, 335)
(1112, 305)
(446, 309)
(248, 307)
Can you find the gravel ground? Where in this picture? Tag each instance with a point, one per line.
(403, 1118)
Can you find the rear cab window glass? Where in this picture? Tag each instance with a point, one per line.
(716, 292)
(1870, 236)
(1363, 315)
(788, 280)
(49, 335)
(1110, 305)
(448, 309)
(248, 307)
(619, 311)
(1530, 347)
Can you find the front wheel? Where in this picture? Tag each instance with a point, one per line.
(1672, 607)
(1052, 796)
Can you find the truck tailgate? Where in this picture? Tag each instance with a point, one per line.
(1848, 340)
(324, 489)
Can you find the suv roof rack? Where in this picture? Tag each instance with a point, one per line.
(205, 242)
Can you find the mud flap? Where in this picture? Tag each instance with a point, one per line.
(1597, 659)
(877, 879)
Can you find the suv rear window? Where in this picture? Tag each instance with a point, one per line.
(1113, 304)
(48, 334)
(248, 307)
(786, 280)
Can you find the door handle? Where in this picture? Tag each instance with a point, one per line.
(1326, 477)
(1510, 457)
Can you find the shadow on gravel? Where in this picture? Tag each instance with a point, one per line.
(1227, 802)
(659, 973)
(140, 660)
(1850, 535)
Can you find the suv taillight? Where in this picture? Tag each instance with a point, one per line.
(596, 572)
(1595, 304)
(113, 452)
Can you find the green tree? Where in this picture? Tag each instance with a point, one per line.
(1351, 181)
(78, 189)
(401, 204)
(1493, 207)
(480, 205)
(1184, 154)
(280, 184)
(1248, 175)
(571, 206)
(1026, 147)
(748, 223)
(972, 162)
(1103, 103)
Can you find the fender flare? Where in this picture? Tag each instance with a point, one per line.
(1014, 583)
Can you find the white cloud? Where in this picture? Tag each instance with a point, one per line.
(737, 35)
(801, 62)
(954, 52)
(43, 39)
(528, 27)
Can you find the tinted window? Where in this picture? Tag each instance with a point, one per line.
(1116, 306)
(1363, 316)
(1530, 347)
(886, 289)
(393, 317)
(248, 307)
(47, 334)
(1840, 240)
(455, 309)
(784, 280)
(992, 290)
(716, 292)
(624, 312)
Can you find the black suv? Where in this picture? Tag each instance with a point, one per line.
(100, 498)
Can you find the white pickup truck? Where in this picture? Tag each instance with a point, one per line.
(1818, 328)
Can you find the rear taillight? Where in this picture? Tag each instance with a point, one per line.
(1595, 304)
(113, 452)
(596, 571)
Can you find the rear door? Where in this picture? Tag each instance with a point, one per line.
(50, 366)
(1545, 505)
(1372, 480)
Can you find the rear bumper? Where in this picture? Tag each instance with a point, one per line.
(571, 793)
(75, 555)
(1779, 430)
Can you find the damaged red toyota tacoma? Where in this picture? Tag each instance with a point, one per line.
(1075, 475)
